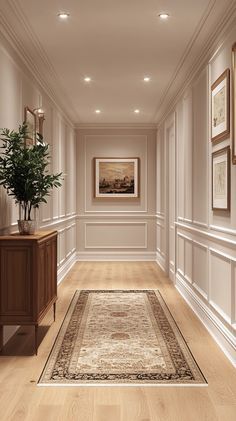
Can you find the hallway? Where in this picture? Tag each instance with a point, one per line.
(21, 399)
(137, 106)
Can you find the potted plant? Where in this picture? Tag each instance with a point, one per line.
(24, 174)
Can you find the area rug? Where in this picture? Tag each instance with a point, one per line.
(120, 337)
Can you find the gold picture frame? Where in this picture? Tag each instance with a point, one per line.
(116, 177)
(220, 107)
(221, 179)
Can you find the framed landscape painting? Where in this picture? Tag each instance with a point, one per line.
(221, 179)
(30, 120)
(234, 104)
(220, 120)
(116, 177)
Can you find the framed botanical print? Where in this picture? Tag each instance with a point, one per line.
(220, 108)
(30, 120)
(234, 103)
(221, 179)
(116, 177)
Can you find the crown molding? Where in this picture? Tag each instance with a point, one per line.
(114, 126)
(209, 35)
(17, 32)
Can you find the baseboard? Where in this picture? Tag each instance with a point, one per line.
(66, 267)
(116, 256)
(221, 334)
(160, 261)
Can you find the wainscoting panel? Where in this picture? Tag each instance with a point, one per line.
(188, 265)
(180, 254)
(61, 246)
(200, 268)
(220, 283)
(160, 242)
(211, 290)
(115, 235)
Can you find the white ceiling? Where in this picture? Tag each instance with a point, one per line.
(116, 43)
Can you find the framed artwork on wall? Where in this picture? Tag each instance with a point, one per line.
(234, 103)
(220, 107)
(221, 179)
(116, 177)
(30, 120)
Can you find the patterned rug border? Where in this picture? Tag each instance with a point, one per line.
(100, 383)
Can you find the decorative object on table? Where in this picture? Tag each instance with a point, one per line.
(220, 108)
(116, 177)
(221, 179)
(234, 104)
(120, 337)
(24, 174)
(30, 121)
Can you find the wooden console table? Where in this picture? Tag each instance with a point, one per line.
(28, 279)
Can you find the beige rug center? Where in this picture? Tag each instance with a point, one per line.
(119, 332)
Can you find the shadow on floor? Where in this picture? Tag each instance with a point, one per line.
(22, 342)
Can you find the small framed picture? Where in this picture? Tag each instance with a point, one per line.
(220, 108)
(116, 177)
(234, 103)
(221, 179)
(30, 120)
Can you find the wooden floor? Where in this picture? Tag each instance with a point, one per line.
(22, 399)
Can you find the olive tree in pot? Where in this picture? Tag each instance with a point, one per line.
(24, 173)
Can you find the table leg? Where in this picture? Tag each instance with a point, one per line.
(36, 339)
(54, 311)
(1, 337)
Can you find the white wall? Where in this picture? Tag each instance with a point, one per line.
(18, 89)
(116, 228)
(205, 266)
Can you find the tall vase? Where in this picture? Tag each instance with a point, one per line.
(26, 227)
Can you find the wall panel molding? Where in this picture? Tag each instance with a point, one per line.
(160, 215)
(159, 237)
(161, 260)
(119, 224)
(214, 282)
(200, 224)
(221, 333)
(224, 230)
(203, 247)
(230, 282)
(145, 190)
(205, 234)
(57, 222)
(66, 267)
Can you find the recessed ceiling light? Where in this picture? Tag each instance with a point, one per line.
(63, 15)
(146, 78)
(164, 15)
(87, 79)
(97, 111)
(137, 111)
